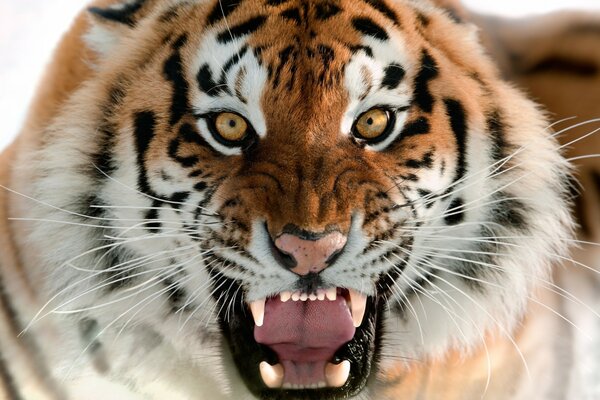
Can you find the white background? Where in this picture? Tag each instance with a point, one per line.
(29, 29)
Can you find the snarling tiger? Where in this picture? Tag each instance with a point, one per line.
(320, 199)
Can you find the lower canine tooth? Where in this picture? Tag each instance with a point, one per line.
(272, 375)
(337, 375)
(258, 311)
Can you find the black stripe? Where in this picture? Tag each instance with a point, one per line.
(233, 61)
(420, 126)
(425, 162)
(8, 381)
(496, 128)
(243, 29)
(144, 127)
(508, 211)
(125, 15)
(458, 123)
(393, 75)
(207, 84)
(293, 14)
(428, 71)
(326, 10)
(368, 27)
(222, 10)
(383, 8)
(455, 213)
(173, 70)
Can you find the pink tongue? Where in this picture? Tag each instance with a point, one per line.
(305, 335)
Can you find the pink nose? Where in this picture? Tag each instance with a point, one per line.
(310, 256)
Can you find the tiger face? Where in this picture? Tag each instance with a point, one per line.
(322, 187)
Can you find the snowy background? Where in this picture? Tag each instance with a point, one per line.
(29, 30)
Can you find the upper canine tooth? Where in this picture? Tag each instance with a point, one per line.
(272, 375)
(285, 296)
(337, 375)
(258, 311)
(358, 305)
(331, 294)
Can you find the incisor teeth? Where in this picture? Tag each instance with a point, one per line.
(358, 305)
(285, 296)
(258, 311)
(312, 297)
(303, 297)
(321, 295)
(337, 375)
(296, 296)
(331, 294)
(272, 375)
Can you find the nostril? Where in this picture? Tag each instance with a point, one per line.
(285, 259)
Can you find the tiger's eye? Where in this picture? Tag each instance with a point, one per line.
(373, 123)
(231, 127)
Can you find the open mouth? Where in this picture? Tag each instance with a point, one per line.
(300, 345)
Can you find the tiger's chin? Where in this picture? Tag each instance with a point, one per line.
(303, 346)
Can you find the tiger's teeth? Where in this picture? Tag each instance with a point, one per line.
(321, 295)
(358, 305)
(285, 296)
(337, 375)
(295, 296)
(303, 297)
(312, 297)
(272, 375)
(258, 311)
(331, 294)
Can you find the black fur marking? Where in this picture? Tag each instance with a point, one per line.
(186, 162)
(276, 2)
(144, 125)
(425, 162)
(368, 27)
(327, 55)
(173, 71)
(233, 61)
(454, 16)
(456, 213)
(420, 126)
(243, 29)
(458, 123)
(177, 295)
(207, 84)
(393, 75)
(200, 186)
(152, 215)
(222, 10)
(293, 14)
(429, 71)
(423, 19)
(89, 330)
(8, 381)
(508, 211)
(177, 199)
(562, 65)
(496, 128)
(383, 8)
(355, 49)
(326, 10)
(125, 15)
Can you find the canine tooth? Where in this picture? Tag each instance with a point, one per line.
(272, 375)
(331, 294)
(296, 296)
(321, 295)
(312, 297)
(303, 297)
(358, 305)
(337, 375)
(258, 311)
(285, 296)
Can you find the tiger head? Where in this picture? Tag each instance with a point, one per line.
(322, 187)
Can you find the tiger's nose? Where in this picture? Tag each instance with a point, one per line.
(310, 254)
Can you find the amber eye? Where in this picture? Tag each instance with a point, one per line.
(373, 125)
(231, 127)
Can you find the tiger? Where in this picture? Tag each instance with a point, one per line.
(318, 199)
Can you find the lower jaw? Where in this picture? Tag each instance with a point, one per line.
(361, 353)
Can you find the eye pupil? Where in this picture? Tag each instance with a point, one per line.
(232, 123)
(370, 121)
